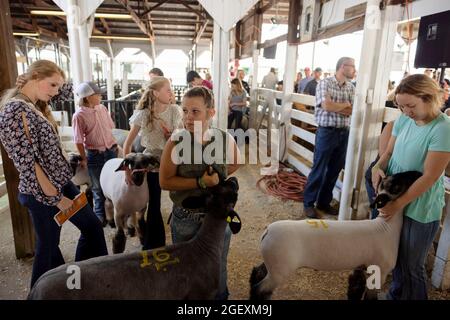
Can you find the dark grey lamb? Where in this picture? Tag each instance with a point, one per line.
(188, 270)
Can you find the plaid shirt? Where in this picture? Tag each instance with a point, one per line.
(330, 86)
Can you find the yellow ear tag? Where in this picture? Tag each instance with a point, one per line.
(228, 219)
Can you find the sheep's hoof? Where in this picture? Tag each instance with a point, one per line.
(131, 231)
(357, 284)
(119, 242)
(112, 224)
(258, 274)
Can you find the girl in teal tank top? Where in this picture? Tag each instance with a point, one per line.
(420, 141)
(184, 173)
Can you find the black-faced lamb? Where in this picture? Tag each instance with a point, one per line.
(188, 270)
(329, 245)
(123, 201)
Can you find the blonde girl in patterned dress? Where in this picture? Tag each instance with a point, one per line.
(49, 190)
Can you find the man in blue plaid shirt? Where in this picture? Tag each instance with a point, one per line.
(334, 101)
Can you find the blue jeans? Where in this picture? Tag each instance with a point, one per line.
(48, 255)
(184, 228)
(155, 234)
(371, 193)
(96, 159)
(329, 159)
(409, 278)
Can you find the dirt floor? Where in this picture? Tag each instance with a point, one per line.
(256, 209)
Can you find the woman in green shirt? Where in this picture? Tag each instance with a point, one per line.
(185, 173)
(420, 141)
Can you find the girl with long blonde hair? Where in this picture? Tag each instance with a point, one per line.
(154, 119)
(419, 142)
(29, 135)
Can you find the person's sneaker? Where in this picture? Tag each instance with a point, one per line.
(311, 212)
(330, 210)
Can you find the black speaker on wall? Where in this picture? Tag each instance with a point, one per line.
(433, 42)
(270, 52)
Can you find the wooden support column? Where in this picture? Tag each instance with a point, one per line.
(21, 222)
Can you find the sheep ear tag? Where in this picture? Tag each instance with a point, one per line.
(234, 221)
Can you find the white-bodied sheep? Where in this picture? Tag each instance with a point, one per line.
(188, 270)
(122, 201)
(330, 245)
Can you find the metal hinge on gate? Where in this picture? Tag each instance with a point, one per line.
(369, 96)
(355, 199)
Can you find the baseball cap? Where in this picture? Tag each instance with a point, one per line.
(86, 89)
(318, 69)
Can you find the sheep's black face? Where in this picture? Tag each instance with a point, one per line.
(392, 187)
(222, 198)
(138, 163)
(380, 201)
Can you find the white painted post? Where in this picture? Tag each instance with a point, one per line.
(255, 61)
(254, 86)
(220, 76)
(86, 63)
(110, 79)
(124, 81)
(374, 113)
(372, 62)
(288, 88)
(110, 74)
(79, 27)
(73, 20)
(225, 16)
(440, 278)
(152, 43)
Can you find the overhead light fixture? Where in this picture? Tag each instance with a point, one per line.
(29, 34)
(113, 16)
(97, 15)
(121, 38)
(47, 13)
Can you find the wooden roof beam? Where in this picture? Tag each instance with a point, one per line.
(136, 18)
(27, 26)
(149, 22)
(152, 8)
(199, 34)
(105, 26)
(199, 13)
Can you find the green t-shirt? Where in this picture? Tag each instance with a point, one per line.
(411, 147)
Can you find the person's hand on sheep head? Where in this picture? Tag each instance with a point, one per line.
(377, 175)
(391, 208)
(211, 178)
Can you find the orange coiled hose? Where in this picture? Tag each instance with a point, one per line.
(286, 184)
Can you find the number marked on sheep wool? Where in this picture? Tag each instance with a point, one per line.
(315, 223)
(161, 259)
